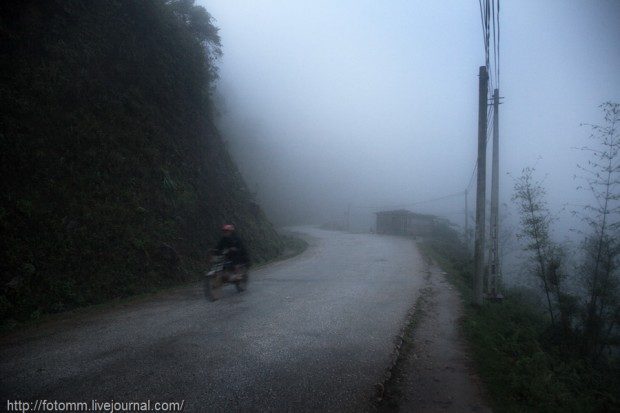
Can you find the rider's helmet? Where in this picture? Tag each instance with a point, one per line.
(228, 227)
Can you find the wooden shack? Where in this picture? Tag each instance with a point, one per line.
(404, 222)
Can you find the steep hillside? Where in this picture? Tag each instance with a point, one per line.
(114, 179)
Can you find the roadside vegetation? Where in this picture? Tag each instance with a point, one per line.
(554, 349)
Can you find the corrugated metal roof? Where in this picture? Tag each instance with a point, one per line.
(406, 212)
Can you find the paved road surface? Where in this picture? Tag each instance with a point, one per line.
(315, 332)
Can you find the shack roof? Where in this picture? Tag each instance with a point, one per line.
(406, 212)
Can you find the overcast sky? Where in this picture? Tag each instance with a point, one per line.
(374, 103)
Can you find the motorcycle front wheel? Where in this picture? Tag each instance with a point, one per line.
(213, 287)
(242, 284)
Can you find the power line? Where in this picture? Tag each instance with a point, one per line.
(498, 55)
(426, 201)
(473, 173)
(487, 26)
(489, 123)
(490, 22)
(494, 40)
(489, 19)
(489, 128)
(438, 199)
(496, 43)
(484, 35)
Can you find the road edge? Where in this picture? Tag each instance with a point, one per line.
(296, 246)
(392, 393)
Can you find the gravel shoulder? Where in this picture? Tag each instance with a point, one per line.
(434, 372)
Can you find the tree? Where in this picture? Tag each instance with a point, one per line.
(535, 220)
(601, 246)
(200, 23)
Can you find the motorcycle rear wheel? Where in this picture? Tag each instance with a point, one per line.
(242, 284)
(213, 287)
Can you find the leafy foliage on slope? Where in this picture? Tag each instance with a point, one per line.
(114, 179)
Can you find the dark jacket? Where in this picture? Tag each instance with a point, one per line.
(236, 251)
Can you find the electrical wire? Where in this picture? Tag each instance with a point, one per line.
(460, 193)
(494, 40)
(481, 19)
(487, 27)
(484, 18)
(473, 173)
(489, 128)
(498, 40)
(489, 18)
(489, 123)
(490, 22)
(488, 12)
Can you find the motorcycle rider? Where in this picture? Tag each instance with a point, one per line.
(232, 247)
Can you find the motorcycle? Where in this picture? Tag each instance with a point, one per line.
(221, 272)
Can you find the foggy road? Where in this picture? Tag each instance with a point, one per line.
(315, 332)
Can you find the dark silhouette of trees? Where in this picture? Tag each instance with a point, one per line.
(114, 179)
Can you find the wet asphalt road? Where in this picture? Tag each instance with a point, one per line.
(313, 333)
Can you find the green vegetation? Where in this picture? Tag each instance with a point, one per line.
(293, 245)
(516, 351)
(526, 370)
(114, 179)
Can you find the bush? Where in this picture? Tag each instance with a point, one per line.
(515, 349)
(524, 370)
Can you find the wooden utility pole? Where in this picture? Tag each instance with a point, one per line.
(466, 225)
(494, 225)
(483, 89)
(349, 217)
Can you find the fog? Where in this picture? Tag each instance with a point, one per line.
(373, 105)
